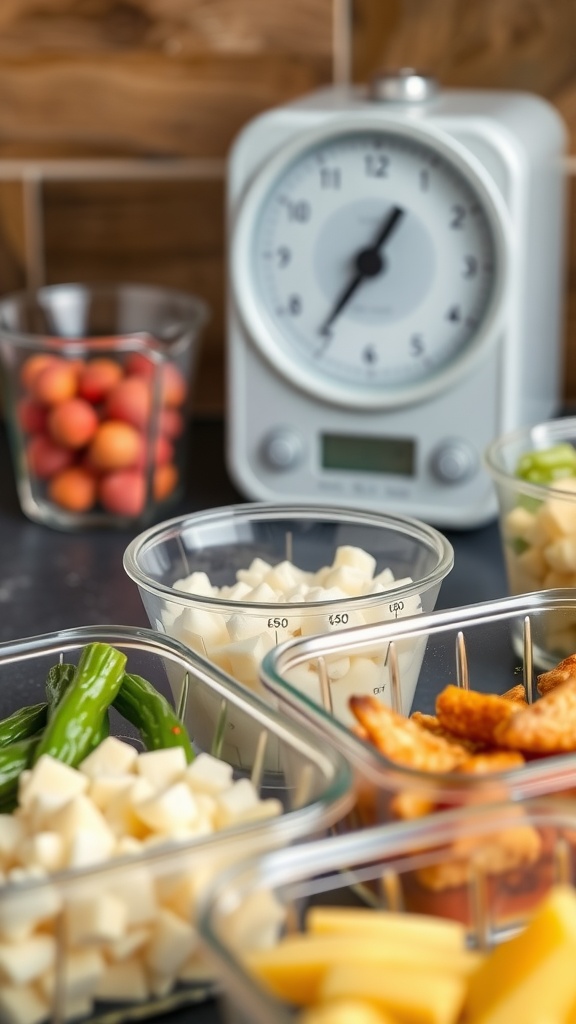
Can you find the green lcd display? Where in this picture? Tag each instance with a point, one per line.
(369, 454)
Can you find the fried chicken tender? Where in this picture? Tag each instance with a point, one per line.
(432, 724)
(517, 694)
(491, 761)
(472, 715)
(505, 850)
(563, 672)
(546, 727)
(403, 740)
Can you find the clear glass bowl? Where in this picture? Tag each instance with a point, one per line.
(314, 791)
(97, 394)
(475, 647)
(224, 543)
(537, 522)
(250, 905)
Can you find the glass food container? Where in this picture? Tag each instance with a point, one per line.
(94, 942)
(97, 386)
(486, 867)
(473, 648)
(232, 582)
(537, 514)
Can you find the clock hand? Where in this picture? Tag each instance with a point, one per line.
(368, 263)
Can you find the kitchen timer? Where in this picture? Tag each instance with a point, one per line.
(395, 293)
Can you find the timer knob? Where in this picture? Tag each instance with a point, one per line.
(403, 86)
(454, 462)
(282, 449)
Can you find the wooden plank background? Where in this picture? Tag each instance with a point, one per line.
(177, 79)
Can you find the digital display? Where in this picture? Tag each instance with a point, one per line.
(369, 454)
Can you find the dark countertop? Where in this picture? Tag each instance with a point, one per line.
(52, 580)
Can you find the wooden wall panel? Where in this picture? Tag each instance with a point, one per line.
(178, 78)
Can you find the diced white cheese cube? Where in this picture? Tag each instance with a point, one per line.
(43, 849)
(22, 1005)
(237, 592)
(347, 579)
(207, 774)
(120, 813)
(123, 982)
(50, 784)
(22, 909)
(128, 944)
(196, 583)
(171, 944)
(561, 555)
(112, 757)
(87, 837)
(21, 962)
(255, 572)
(284, 577)
(11, 836)
(162, 767)
(104, 791)
(242, 627)
(245, 657)
(262, 594)
(198, 622)
(80, 974)
(356, 558)
(241, 797)
(170, 810)
(136, 888)
(102, 919)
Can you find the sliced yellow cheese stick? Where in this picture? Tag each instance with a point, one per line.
(412, 995)
(531, 978)
(295, 967)
(345, 1011)
(434, 931)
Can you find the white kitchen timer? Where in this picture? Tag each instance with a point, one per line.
(396, 269)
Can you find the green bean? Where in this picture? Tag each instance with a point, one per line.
(57, 681)
(79, 716)
(23, 723)
(13, 760)
(157, 722)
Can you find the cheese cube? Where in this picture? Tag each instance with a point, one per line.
(22, 1005)
(283, 577)
(123, 982)
(171, 810)
(561, 555)
(347, 578)
(255, 572)
(81, 971)
(11, 836)
(163, 767)
(194, 623)
(21, 910)
(102, 919)
(21, 962)
(355, 558)
(86, 835)
(128, 944)
(237, 592)
(245, 657)
(242, 627)
(196, 583)
(104, 791)
(240, 798)
(207, 774)
(136, 889)
(120, 813)
(171, 944)
(43, 849)
(112, 757)
(262, 594)
(50, 784)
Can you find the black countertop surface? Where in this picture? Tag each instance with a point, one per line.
(52, 580)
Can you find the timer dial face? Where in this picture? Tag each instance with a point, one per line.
(368, 264)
